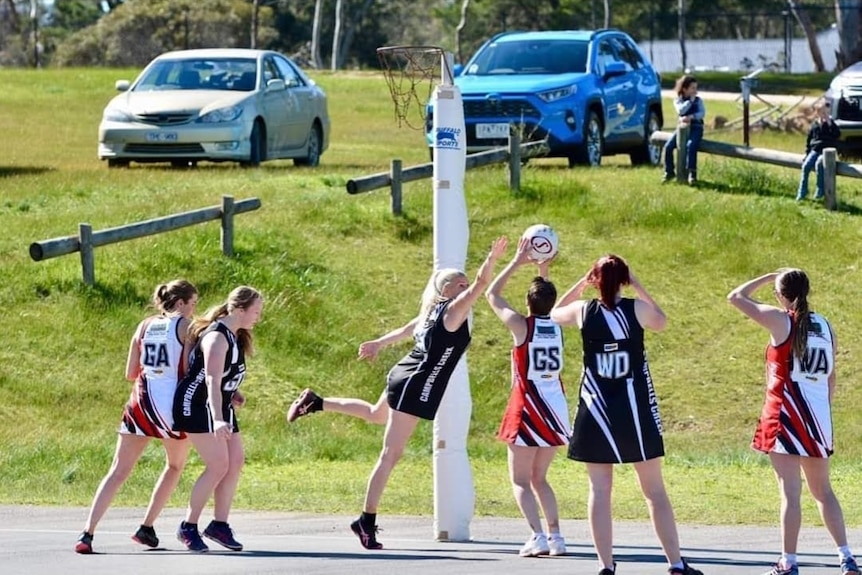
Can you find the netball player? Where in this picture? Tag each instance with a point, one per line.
(617, 420)
(155, 362)
(536, 421)
(795, 426)
(204, 409)
(415, 385)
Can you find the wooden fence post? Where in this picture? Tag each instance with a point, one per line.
(514, 159)
(681, 157)
(395, 186)
(85, 240)
(830, 191)
(227, 212)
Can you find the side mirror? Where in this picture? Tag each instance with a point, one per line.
(614, 69)
(275, 85)
(457, 69)
(121, 85)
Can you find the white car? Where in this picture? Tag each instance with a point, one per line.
(233, 105)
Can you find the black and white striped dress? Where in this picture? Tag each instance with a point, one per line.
(617, 420)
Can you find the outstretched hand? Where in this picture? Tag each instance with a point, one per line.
(369, 349)
(524, 253)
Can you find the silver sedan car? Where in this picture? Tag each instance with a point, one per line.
(233, 105)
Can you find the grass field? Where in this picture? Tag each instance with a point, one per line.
(337, 270)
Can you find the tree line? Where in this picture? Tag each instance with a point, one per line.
(345, 33)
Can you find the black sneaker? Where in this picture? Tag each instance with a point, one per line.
(307, 402)
(686, 570)
(84, 546)
(146, 536)
(668, 178)
(607, 571)
(189, 536)
(692, 179)
(367, 537)
(222, 534)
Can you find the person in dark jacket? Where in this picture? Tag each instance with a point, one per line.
(824, 133)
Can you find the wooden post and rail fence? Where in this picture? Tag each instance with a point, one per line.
(831, 166)
(514, 154)
(87, 240)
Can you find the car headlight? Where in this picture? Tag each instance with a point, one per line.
(116, 115)
(228, 114)
(554, 95)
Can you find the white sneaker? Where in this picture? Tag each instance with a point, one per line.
(557, 544)
(537, 545)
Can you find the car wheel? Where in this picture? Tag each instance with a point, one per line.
(313, 151)
(589, 153)
(648, 153)
(114, 163)
(257, 153)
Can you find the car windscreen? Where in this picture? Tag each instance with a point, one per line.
(200, 74)
(530, 57)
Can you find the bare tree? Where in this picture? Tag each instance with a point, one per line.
(465, 5)
(350, 31)
(801, 16)
(255, 20)
(847, 15)
(12, 13)
(336, 35)
(316, 60)
(607, 23)
(681, 24)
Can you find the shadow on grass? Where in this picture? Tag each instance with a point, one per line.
(723, 188)
(12, 171)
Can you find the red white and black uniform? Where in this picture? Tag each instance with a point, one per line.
(149, 409)
(537, 414)
(797, 418)
(191, 406)
(618, 419)
(416, 384)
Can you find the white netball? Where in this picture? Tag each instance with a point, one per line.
(543, 242)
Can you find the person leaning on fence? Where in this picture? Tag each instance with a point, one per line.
(824, 133)
(691, 111)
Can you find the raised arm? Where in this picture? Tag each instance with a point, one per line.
(772, 318)
(514, 320)
(459, 309)
(648, 312)
(568, 308)
(370, 349)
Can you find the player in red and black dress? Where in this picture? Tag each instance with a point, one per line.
(155, 362)
(617, 420)
(416, 384)
(795, 426)
(536, 421)
(204, 409)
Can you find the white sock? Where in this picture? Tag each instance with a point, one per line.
(844, 552)
(678, 565)
(788, 560)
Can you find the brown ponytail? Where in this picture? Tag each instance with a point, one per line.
(793, 285)
(608, 274)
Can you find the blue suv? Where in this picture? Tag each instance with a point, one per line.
(589, 93)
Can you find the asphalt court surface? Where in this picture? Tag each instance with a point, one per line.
(41, 540)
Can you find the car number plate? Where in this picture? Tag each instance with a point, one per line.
(486, 131)
(162, 136)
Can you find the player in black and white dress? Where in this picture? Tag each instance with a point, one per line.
(617, 420)
(416, 384)
(204, 409)
(155, 362)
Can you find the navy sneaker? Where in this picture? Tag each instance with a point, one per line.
(146, 536)
(188, 535)
(849, 567)
(367, 537)
(686, 570)
(222, 534)
(84, 546)
(778, 570)
(307, 402)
